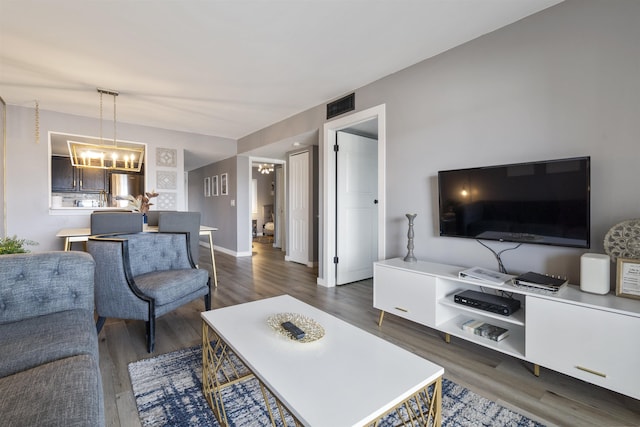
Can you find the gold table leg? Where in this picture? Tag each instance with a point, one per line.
(222, 368)
(421, 408)
(213, 260)
(381, 317)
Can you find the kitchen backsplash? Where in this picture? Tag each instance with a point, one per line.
(67, 200)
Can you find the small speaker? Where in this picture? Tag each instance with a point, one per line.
(594, 273)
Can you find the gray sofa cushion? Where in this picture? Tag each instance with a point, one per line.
(67, 392)
(38, 340)
(41, 283)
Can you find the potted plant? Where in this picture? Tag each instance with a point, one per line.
(141, 202)
(13, 245)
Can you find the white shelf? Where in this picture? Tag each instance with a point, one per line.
(516, 318)
(512, 345)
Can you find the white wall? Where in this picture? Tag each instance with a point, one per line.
(27, 168)
(561, 83)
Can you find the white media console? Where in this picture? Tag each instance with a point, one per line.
(587, 336)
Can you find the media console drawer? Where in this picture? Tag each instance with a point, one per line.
(594, 345)
(405, 294)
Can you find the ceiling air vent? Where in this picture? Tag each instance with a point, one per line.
(342, 105)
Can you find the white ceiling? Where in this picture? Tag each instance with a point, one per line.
(224, 68)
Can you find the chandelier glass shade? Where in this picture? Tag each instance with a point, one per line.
(265, 168)
(111, 155)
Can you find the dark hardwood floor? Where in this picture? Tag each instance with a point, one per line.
(552, 398)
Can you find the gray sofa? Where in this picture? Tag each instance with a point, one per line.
(49, 370)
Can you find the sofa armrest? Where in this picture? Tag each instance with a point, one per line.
(35, 284)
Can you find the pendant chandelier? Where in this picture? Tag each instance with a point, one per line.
(265, 168)
(106, 155)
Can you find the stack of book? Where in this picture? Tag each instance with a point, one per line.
(487, 330)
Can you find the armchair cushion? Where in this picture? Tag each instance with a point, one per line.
(168, 286)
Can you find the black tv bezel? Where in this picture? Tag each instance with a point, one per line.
(587, 245)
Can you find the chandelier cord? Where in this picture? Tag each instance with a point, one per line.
(115, 141)
(101, 139)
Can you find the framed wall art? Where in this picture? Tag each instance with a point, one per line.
(207, 187)
(224, 184)
(214, 185)
(628, 278)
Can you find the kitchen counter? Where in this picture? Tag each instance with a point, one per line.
(71, 210)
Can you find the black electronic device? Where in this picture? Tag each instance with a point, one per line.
(544, 202)
(488, 302)
(295, 332)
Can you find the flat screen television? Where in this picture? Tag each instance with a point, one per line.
(544, 202)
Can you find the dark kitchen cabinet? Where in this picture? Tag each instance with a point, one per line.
(67, 178)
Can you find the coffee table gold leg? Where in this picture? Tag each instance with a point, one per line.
(213, 260)
(420, 409)
(437, 397)
(210, 385)
(220, 368)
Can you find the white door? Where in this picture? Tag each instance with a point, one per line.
(356, 207)
(279, 210)
(298, 250)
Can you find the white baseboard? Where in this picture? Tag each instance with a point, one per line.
(226, 251)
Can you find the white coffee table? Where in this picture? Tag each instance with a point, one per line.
(349, 377)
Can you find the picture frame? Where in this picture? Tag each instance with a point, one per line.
(224, 184)
(207, 187)
(628, 278)
(214, 185)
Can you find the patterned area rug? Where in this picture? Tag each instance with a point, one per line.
(168, 392)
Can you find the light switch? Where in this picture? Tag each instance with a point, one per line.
(233, 202)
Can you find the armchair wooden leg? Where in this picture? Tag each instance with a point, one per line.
(100, 323)
(207, 297)
(151, 334)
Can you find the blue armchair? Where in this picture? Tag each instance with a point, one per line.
(145, 275)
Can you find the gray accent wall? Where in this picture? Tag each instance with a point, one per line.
(560, 83)
(217, 211)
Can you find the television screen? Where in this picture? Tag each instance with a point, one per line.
(546, 202)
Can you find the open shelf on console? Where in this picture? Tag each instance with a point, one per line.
(513, 344)
(516, 318)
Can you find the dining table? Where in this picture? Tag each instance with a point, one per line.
(81, 234)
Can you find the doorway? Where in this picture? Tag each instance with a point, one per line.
(328, 272)
(266, 213)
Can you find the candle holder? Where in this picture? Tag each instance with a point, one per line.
(410, 257)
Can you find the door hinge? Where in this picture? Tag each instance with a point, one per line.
(336, 148)
(335, 259)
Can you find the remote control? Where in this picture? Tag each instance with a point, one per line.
(296, 332)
